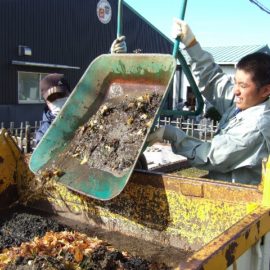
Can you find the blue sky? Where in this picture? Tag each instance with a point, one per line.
(214, 22)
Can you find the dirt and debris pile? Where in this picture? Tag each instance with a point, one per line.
(33, 245)
(111, 139)
(70, 250)
(19, 227)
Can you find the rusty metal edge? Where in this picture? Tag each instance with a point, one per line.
(211, 188)
(228, 247)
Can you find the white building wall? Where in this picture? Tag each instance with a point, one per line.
(228, 69)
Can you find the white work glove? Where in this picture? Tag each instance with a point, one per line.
(182, 30)
(119, 45)
(156, 136)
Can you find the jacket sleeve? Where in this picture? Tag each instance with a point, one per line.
(45, 124)
(224, 153)
(213, 83)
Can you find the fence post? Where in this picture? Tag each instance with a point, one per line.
(11, 128)
(212, 129)
(27, 139)
(205, 130)
(187, 126)
(158, 122)
(36, 126)
(178, 122)
(192, 127)
(21, 137)
(16, 136)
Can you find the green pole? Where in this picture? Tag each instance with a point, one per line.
(177, 54)
(119, 18)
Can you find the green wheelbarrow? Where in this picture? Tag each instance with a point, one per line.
(108, 78)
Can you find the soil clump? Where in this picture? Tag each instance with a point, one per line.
(20, 226)
(111, 138)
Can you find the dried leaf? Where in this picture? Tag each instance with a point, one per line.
(84, 160)
(78, 256)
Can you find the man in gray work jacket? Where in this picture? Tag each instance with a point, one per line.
(243, 137)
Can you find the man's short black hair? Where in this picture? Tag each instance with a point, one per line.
(257, 64)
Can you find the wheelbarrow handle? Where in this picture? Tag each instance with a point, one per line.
(182, 16)
(119, 18)
(177, 54)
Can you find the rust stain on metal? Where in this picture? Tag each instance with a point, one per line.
(235, 193)
(247, 234)
(211, 189)
(258, 224)
(229, 255)
(192, 190)
(156, 180)
(131, 80)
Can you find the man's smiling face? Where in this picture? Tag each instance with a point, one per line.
(246, 92)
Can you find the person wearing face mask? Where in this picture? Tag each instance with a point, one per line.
(242, 139)
(55, 91)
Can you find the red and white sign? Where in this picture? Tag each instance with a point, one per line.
(104, 11)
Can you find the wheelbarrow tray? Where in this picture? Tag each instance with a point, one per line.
(107, 77)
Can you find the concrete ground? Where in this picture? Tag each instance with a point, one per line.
(161, 154)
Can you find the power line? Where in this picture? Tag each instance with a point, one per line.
(261, 6)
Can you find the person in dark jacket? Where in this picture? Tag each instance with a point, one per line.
(55, 91)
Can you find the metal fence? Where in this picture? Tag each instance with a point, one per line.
(203, 129)
(24, 135)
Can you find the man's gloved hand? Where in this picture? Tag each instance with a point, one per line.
(156, 136)
(182, 30)
(119, 45)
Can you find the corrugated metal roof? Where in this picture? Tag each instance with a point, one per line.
(231, 54)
